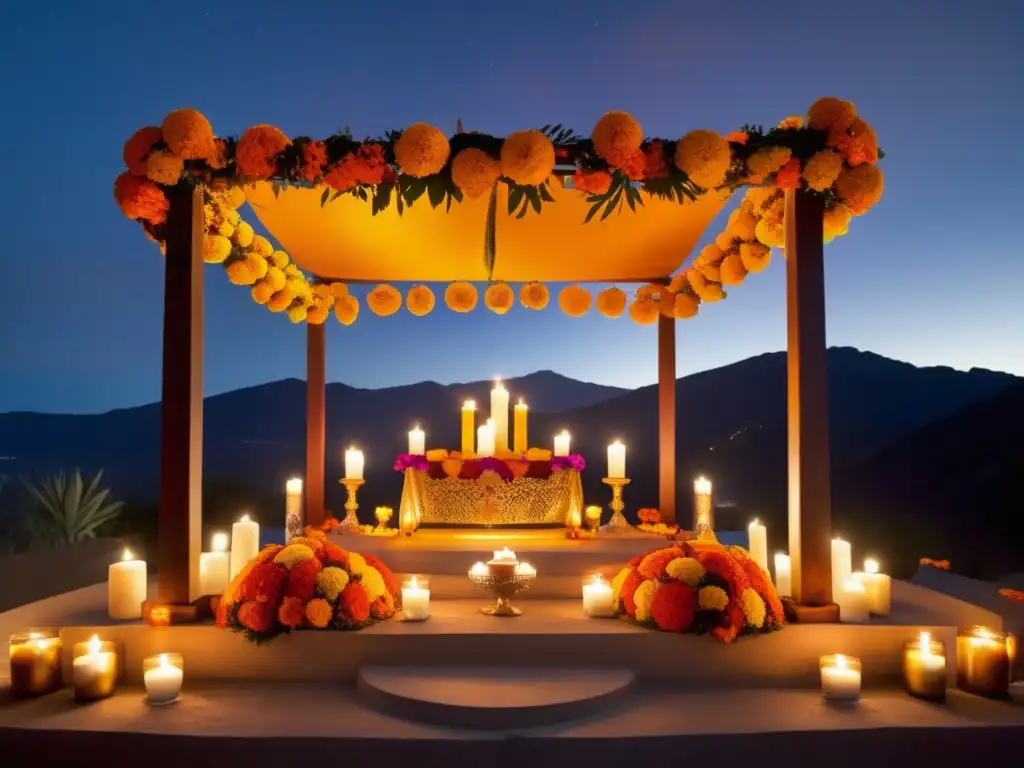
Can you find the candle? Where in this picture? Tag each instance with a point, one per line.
(703, 511)
(853, 600)
(840, 678)
(499, 415)
(94, 669)
(417, 441)
(415, 600)
(525, 569)
(294, 520)
(478, 569)
(593, 516)
(503, 563)
(245, 543)
(842, 566)
(162, 676)
(617, 460)
(757, 538)
(562, 443)
(468, 425)
(521, 411)
(353, 464)
(879, 588)
(783, 582)
(35, 663)
(924, 668)
(575, 515)
(407, 519)
(506, 555)
(126, 588)
(215, 567)
(485, 440)
(982, 662)
(597, 598)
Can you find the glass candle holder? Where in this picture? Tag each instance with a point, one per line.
(982, 662)
(416, 599)
(597, 597)
(592, 516)
(163, 675)
(840, 678)
(94, 669)
(35, 659)
(924, 668)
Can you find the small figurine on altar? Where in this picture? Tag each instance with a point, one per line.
(383, 515)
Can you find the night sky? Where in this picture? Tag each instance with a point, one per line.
(933, 275)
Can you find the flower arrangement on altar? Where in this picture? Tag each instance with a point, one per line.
(311, 583)
(698, 586)
(833, 153)
(536, 463)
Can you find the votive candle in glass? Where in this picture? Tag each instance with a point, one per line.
(163, 676)
(94, 669)
(924, 668)
(879, 588)
(597, 597)
(35, 661)
(982, 662)
(840, 678)
(416, 599)
(593, 517)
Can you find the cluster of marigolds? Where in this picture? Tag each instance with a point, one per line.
(834, 153)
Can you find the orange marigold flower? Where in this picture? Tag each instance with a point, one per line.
(264, 583)
(421, 150)
(138, 147)
(942, 565)
(653, 566)
(593, 182)
(856, 142)
(318, 613)
(475, 172)
(140, 199)
(314, 158)
(628, 591)
(788, 176)
(674, 606)
(617, 137)
(390, 582)
(257, 151)
(655, 162)
(301, 581)
(257, 615)
(189, 134)
(738, 137)
(827, 111)
(218, 159)
(383, 607)
(292, 612)
(354, 605)
(233, 592)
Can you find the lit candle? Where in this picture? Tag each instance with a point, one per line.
(499, 414)
(757, 538)
(840, 678)
(245, 543)
(485, 440)
(505, 555)
(353, 464)
(468, 425)
(525, 569)
(593, 516)
(215, 567)
(924, 668)
(562, 443)
(842, 566)
(126, 588)
(163, 676)
(503, 563)
(783, 579)
(703, 510)
(521, 411)
(479, 569)
(94, 669)
(35, 663)
(853, 600)
(616, 460)
(982, 662)
(575, 515)
(417, 441)
(415, 600)
(597, 598)
(294, 520)
(407, 519)
(879, 588)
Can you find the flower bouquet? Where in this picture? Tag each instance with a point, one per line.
(311, 583)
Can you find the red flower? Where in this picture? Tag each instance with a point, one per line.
(788, 176)
(302, 580)
(637, 559)
(314, 158)
(138, 147)
(292, 612)
(257, 615)
(718, 562)
(655, 164)
(140, 198)
(634, 168)
(653, 566)
(674, 606)
(335, 555)
(629, 586)
(354, 604)
(594, 182)
(390, 582)
(264, 583)
(738, 137)
(364, 166)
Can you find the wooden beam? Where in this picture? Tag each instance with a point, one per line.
(667, 418)
(181, 405)
(810, 503)
(316, 425)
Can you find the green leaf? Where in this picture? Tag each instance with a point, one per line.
(612, 204)
(277, 189)
(515, 198)
(489, 234)
(545, 195)
(594, 209)
(437, 190)
(324, 196)
(382, 197)
(533, 195)
(412, 188)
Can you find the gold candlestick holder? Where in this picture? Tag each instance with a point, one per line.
(618, 523)
(503, 587)
(350, 525)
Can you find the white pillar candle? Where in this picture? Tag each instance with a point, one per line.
(842, 566)
(757, 539)
(505, 555)
(562, 443)
(126, 588)
(879, 588)
(215, 567)
(840, 679)
(853, 600)
(353, 464)
(499, 414)
(415, 600)
(417, 441)
(245, 543)
(519, 439)
(163, 680)
(485, 440)
(783, 579)
(616, 460)
(293, 518)
(597, 598)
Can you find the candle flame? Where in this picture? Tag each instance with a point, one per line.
(479, 569)
(413, 584)
(925, 642)
(520, 401)
(838, 540)
(94, 644)
(127, 555)
(220, 542)
(984, 633)
(752, 524)
(416, 428)
(871, 565)
(294, 485)
(164, 662)
(469, 405)
(244, 519)
(702, 485)
(840, 661)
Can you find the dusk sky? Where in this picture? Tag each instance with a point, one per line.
(932, 275)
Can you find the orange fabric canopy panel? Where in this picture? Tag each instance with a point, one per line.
(345, 241)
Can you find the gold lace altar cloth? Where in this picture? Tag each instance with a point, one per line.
(489, 500)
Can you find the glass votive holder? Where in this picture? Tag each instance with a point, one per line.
(983, 662)
(35, 663)
(840, 678)
(416, 598)
(924, 668)
(592, 517)
(94, 669)
(163, 675)
(597, 597)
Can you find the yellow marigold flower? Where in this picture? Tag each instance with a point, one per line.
(256, 265)
(281, 300)
(338, 290)
(822, 170)
(215, 249)
(262, 291)
(712, 599)
(741, 225)
(319, 613)
(644, 311)
(499, 298)
(225, 230)
(755, 256)
(238, 272)
(617, 582)
(243, 234)
(753, 608)
(318, 314)
(372, 582)
(733, 271)
(574, 300)
(188, 134)
(262, 246)
(860, 188)
(685, 306)
(460, 297)
(724, 241)
(292, 554)
(298, 314)
(836, 221)
(475, 172)
(705, 157)
(617, 138)
(770, 232)
(685, 569)
(534, 296)
(759, 197)
(527, 157)
(322, 290)
(611, 302)
(384, 300)
(290, 269)
(276, 278)
(236, 197)
(826, 111)
(419, 300)
(164, 167)
(280, 260)
(711, 292)
(709, 254)
(421, 150)
(768, 160)
(644, 599)
(330, 581)
(346, 309)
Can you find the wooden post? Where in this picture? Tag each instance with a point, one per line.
(181, 405)
(810, 505)
(667, 418)
(316, 427)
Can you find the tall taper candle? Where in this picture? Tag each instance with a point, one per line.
(417, 441)
(499, 414)
(842, 567)
(616, 460)
(521, 411)
(783, 577)
(757, 538)
(353, 464)
(294, 521)
(468, 427)
(245, 543)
